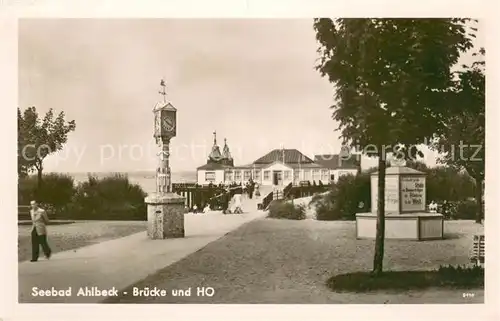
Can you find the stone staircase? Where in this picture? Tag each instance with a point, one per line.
(277, 193)
(264, 190)
(249, 205)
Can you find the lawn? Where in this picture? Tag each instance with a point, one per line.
(281, 261)
(81, 233)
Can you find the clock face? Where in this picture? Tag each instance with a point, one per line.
(168, 124)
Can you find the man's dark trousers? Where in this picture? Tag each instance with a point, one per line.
(36, 242)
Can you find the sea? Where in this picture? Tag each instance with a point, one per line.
(144, 179)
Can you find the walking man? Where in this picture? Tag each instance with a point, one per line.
(39, 232)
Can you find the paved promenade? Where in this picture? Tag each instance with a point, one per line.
(121, 262)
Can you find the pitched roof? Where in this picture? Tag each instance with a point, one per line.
(333, 161)
(307, 166)
(251, 166)
(291, 165)
(164, 106)
(225, 152)
(292, 156)
(215, 154)
(213, 166)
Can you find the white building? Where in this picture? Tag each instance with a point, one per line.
(339, 165)
(278, 167)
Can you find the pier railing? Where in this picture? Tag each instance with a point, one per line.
(291, 192)
(200, 195)
(306, 189)
(214, 195)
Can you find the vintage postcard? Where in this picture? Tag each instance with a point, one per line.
(326, 160)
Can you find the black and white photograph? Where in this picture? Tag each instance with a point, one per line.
(320, 160)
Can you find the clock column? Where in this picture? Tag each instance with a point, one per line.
(163, 178)
(165, 208)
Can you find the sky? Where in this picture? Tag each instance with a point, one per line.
(251, 81)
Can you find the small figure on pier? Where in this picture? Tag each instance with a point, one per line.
(257, 192)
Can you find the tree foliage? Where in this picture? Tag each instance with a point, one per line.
(390, 75)
(445, 183)
(392, 80)
(39, 137)
(462, 142)
(350, 195)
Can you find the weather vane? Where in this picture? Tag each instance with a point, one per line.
(163, 91)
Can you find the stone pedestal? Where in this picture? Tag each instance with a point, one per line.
(414, 226)
(405, 208)
(165, 215)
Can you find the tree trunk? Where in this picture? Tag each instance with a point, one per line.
(39, 177)
(39, 181)
(380, 234)
(479, 199)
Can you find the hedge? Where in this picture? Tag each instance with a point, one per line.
(351, 195)
(55, 194)
(286, 210)
(107, 198)
(460, 210)
(456, 277)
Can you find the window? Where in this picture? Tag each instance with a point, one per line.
(228, 176)
(324, 175)
(266, 175)
(296, 175)
(316, 176)
(257, 175)
(287, 175)
(210, 176)
(247, 175)
(237, 176)
(307, 175)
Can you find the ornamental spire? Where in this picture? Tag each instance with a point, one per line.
(163, 91)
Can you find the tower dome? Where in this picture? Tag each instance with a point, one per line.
(215, 154)
(227, 159)
(225, 151)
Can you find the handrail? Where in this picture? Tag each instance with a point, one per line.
(267, 200)
(287, 190)
(225, 192)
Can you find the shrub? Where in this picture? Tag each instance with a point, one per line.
(448, 184)
(445, 276)
(286, 210)
(342, 202)
(317, 198)
(467, 210)
(461, 210)
(445, 183)
(324, 206)
(461, 275)
(109, 198)
(55, 195)
(26, 189)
